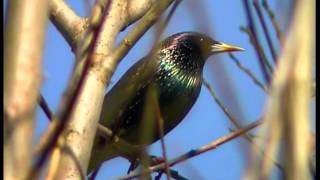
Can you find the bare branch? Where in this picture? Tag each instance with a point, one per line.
(123, 48)
(69, 24)
(287, 113)
(265, 66)
(23, 49)
(248, 72)
(73, 27)
(136, 9)
(193, 153)
(252, 32)
(236, 123)
(273, 20)
(257, 7)
(82, 121)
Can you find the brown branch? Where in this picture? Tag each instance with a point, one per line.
(247, 136)
(258, 9)
(220, 104)
(273, 20)
(248, 72)
(253, 34)
(213, 145)
(264, 64)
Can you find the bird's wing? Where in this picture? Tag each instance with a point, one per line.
(118, 99)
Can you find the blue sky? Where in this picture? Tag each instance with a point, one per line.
(205, 122)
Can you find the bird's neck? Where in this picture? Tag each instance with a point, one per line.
(181, 68)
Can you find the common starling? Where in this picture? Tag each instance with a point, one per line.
(175, 68)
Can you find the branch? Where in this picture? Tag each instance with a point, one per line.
(111, 61)
(257, 7)
(73, 27)
(265, 66)
(25, 29)
(255, 41)
(69, 24)
(287, 112)
(77, 121)
(80, 121)
(236, 123)
(213, 145)
(248, 72)
(273, 20)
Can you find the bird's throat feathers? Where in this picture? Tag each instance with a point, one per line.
(177, 67)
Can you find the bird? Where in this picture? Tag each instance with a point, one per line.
(173, 70)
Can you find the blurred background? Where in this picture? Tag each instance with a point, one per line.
(206, 121)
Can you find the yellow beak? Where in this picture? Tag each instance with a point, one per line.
(222, 47)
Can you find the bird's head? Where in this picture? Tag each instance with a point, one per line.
(201, 43)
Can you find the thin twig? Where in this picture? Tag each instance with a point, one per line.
(248, 135)
(248, 72)
(220, 104)
(159, 120)
(257, 7)
(193, 153)
(263, 63)
(279, 34)
(255, 41)
(155, 103)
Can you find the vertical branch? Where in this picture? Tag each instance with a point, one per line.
(24, 39)
(79, 134)
(155, 102)
(287, 113)
(273, 20)
(255, 41)
(265, 29)
(159, 121)
(110, 61)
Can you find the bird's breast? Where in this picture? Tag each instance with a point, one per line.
(178, 91)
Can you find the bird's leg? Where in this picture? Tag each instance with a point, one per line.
(154, 160)
(134, 164)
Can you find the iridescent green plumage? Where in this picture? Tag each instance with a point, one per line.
(176, 71)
